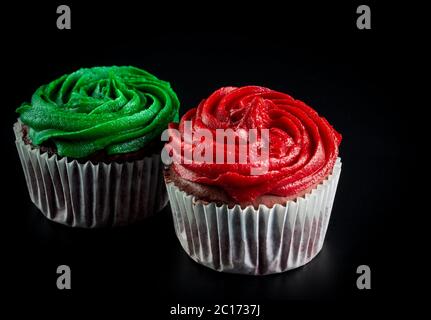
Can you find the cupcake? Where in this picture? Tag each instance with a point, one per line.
(268, 210)
(89, 144)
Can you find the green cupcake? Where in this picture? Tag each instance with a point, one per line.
(89, 143)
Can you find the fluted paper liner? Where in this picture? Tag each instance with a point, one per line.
(91, 195)
(250, 241)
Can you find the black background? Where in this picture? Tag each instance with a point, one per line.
(355, 78)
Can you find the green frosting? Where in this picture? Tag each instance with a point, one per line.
(118, 109)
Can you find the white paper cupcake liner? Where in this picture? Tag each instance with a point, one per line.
(91, 195)
(250, 241)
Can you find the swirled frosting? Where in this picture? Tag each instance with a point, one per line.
(303, 146)
(118, 109)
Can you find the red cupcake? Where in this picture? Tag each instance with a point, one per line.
(252, 180)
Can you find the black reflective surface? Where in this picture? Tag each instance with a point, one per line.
(354, 81)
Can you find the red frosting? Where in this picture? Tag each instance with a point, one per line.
(303, 146)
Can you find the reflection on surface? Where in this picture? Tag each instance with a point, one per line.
(148, 255)
(318, 277)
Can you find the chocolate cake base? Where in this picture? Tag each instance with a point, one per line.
(207, 194)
